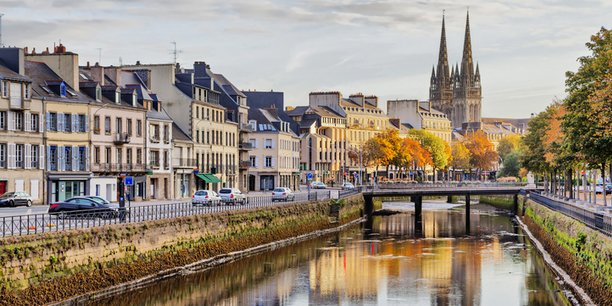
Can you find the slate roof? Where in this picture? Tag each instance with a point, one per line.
(8, 74)
(227, 85)
(42, 76)
(178, 134)
(265, 99)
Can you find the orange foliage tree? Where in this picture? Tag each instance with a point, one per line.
(482, 151)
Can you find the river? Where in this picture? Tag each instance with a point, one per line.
(379, 262)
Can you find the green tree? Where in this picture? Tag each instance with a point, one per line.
(510, 165)
(436, 147)
(507, 145)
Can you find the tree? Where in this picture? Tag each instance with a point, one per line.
(436, 147)
(507, 145)
(510, 166)
(388, 143)
(482, 151)
(461, 156)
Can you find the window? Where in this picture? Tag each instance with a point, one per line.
(18, 121)
(82, 123)
(2, 155)
(97, 154)
(268, 161)
(96, 124)
(118, 125)
(82, 158)
(26, 91)
(166, 161)
(154, 158)
(253, 143)
(2, 120)
(139, 156)
(34, 122)
(5, 89)
(119, 156)
(167, 134)
(68, 158)
(53, 158)
(129, 127)
(139, 128)
(34, 156)
(128, 157)
(68, 123)
(107, 125)
(98, 94)
(268, 144)
(107, 154)
(19, 152)
(253, 160)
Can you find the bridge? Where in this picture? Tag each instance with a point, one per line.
(416, 194)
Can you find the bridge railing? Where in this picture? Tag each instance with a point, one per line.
(593, 218)
(452, 184)
(43, 222)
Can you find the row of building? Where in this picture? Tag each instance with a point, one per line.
(69, 130)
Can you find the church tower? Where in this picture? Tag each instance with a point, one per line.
(467, 93)
(440, 87)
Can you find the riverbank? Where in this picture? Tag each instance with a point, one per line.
(583, 253)
(57, 266)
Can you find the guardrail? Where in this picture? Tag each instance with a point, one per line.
(43, 223)
(465, 184)
(593, 219)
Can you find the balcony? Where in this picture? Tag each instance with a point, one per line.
(184, 162)
(112, 167)
(245, 146)
(245, 127)
(154, 165)
(245, 165)
(121, 138)
(154, 138)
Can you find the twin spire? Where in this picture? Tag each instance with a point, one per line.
(466, 74)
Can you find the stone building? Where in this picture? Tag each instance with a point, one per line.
(456, 91)
(421, 115)
(22, 150)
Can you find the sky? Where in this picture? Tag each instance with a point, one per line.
(383, 48)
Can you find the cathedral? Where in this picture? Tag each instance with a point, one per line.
(456, 91)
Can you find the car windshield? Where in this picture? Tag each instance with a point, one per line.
(279, 190)
(225, 191)
(7, 195)
(97, 200)
(200, 193)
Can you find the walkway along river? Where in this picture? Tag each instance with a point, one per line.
(379, 262)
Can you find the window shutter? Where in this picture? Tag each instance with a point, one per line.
(11, 121)
(28, 156)
(86, 124)
(27, 119)
(75, 158)
(11, 156)
(48, 157)
(60, 122)
(61, 158)
(41, 156)
(74, 123)
(48, 123)
(86, 158)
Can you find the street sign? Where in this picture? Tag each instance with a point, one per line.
(129, 180)
(309, 176)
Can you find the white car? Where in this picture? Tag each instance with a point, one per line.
(348, 186)
(318, 185)
(232, 196)
(205, 197)
(282, 194)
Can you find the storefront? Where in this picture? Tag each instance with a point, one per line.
(207, 181)
(64, 186)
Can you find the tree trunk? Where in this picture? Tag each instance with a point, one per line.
(603, 183)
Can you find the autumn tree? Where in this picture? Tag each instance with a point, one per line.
(482, 152)
(436, 147)
(508, 145)
(461, 156)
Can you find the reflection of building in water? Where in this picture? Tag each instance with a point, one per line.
(467, 265)
(436, 224)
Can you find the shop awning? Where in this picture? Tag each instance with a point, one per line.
(208, 178)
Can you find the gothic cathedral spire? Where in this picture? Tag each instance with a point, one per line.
(467, 64)
(443, 71)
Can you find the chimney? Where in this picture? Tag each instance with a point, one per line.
(199, 69)
(46, 51)
(97, 73)
(65, 64)
(25, 50)
(430, 105)
(13, 58)
(114, 73)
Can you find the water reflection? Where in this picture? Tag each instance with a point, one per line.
(383, 265)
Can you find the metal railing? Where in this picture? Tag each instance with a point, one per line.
(594, 219)
(466, 184)
(44, 222)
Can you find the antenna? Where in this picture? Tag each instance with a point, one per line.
(1, 44)
(120, 61)
(175, 52)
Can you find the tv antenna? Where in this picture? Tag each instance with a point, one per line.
(175, 52)
(99, 55)
(1, 44)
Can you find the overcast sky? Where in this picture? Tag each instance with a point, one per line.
(385, 48)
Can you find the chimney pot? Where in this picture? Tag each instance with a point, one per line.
(137, 63)
(87, 64)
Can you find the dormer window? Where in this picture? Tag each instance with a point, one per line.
(5, 89)
(26, 91)
(62, 89)
(117, 97)
(134, 99)
(98, 94)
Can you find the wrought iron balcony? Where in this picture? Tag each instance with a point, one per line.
(245, 164)
(121, 138)
(245, 146)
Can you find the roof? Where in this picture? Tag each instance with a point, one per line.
(161, 115)
(8, 74)
(42, 77)
(265, 99)
(227, 85)
(178, 134)
(297, 111)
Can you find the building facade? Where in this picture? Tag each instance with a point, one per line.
(22, 148)
(457, 92)
(421, 115)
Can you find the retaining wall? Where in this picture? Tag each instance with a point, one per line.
(53, 267)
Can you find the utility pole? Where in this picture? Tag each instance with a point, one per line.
(175, 51)
(1, 44)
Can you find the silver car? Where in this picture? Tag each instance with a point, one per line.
(282, 194)
(232, 196)
(205, 197)
(17, 198)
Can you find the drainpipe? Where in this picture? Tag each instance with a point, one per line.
(44, 144)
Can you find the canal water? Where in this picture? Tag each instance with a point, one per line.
(379, 262)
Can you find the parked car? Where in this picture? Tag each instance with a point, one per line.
(13, 199)
(205, 197)
(318, 185)
(232, 196)
(348, 186)
(598, 188)
(84, 205)
(608, 188)
(99, 199)
(282, 194)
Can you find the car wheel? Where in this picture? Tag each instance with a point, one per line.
(12, 204)
(29, 203)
